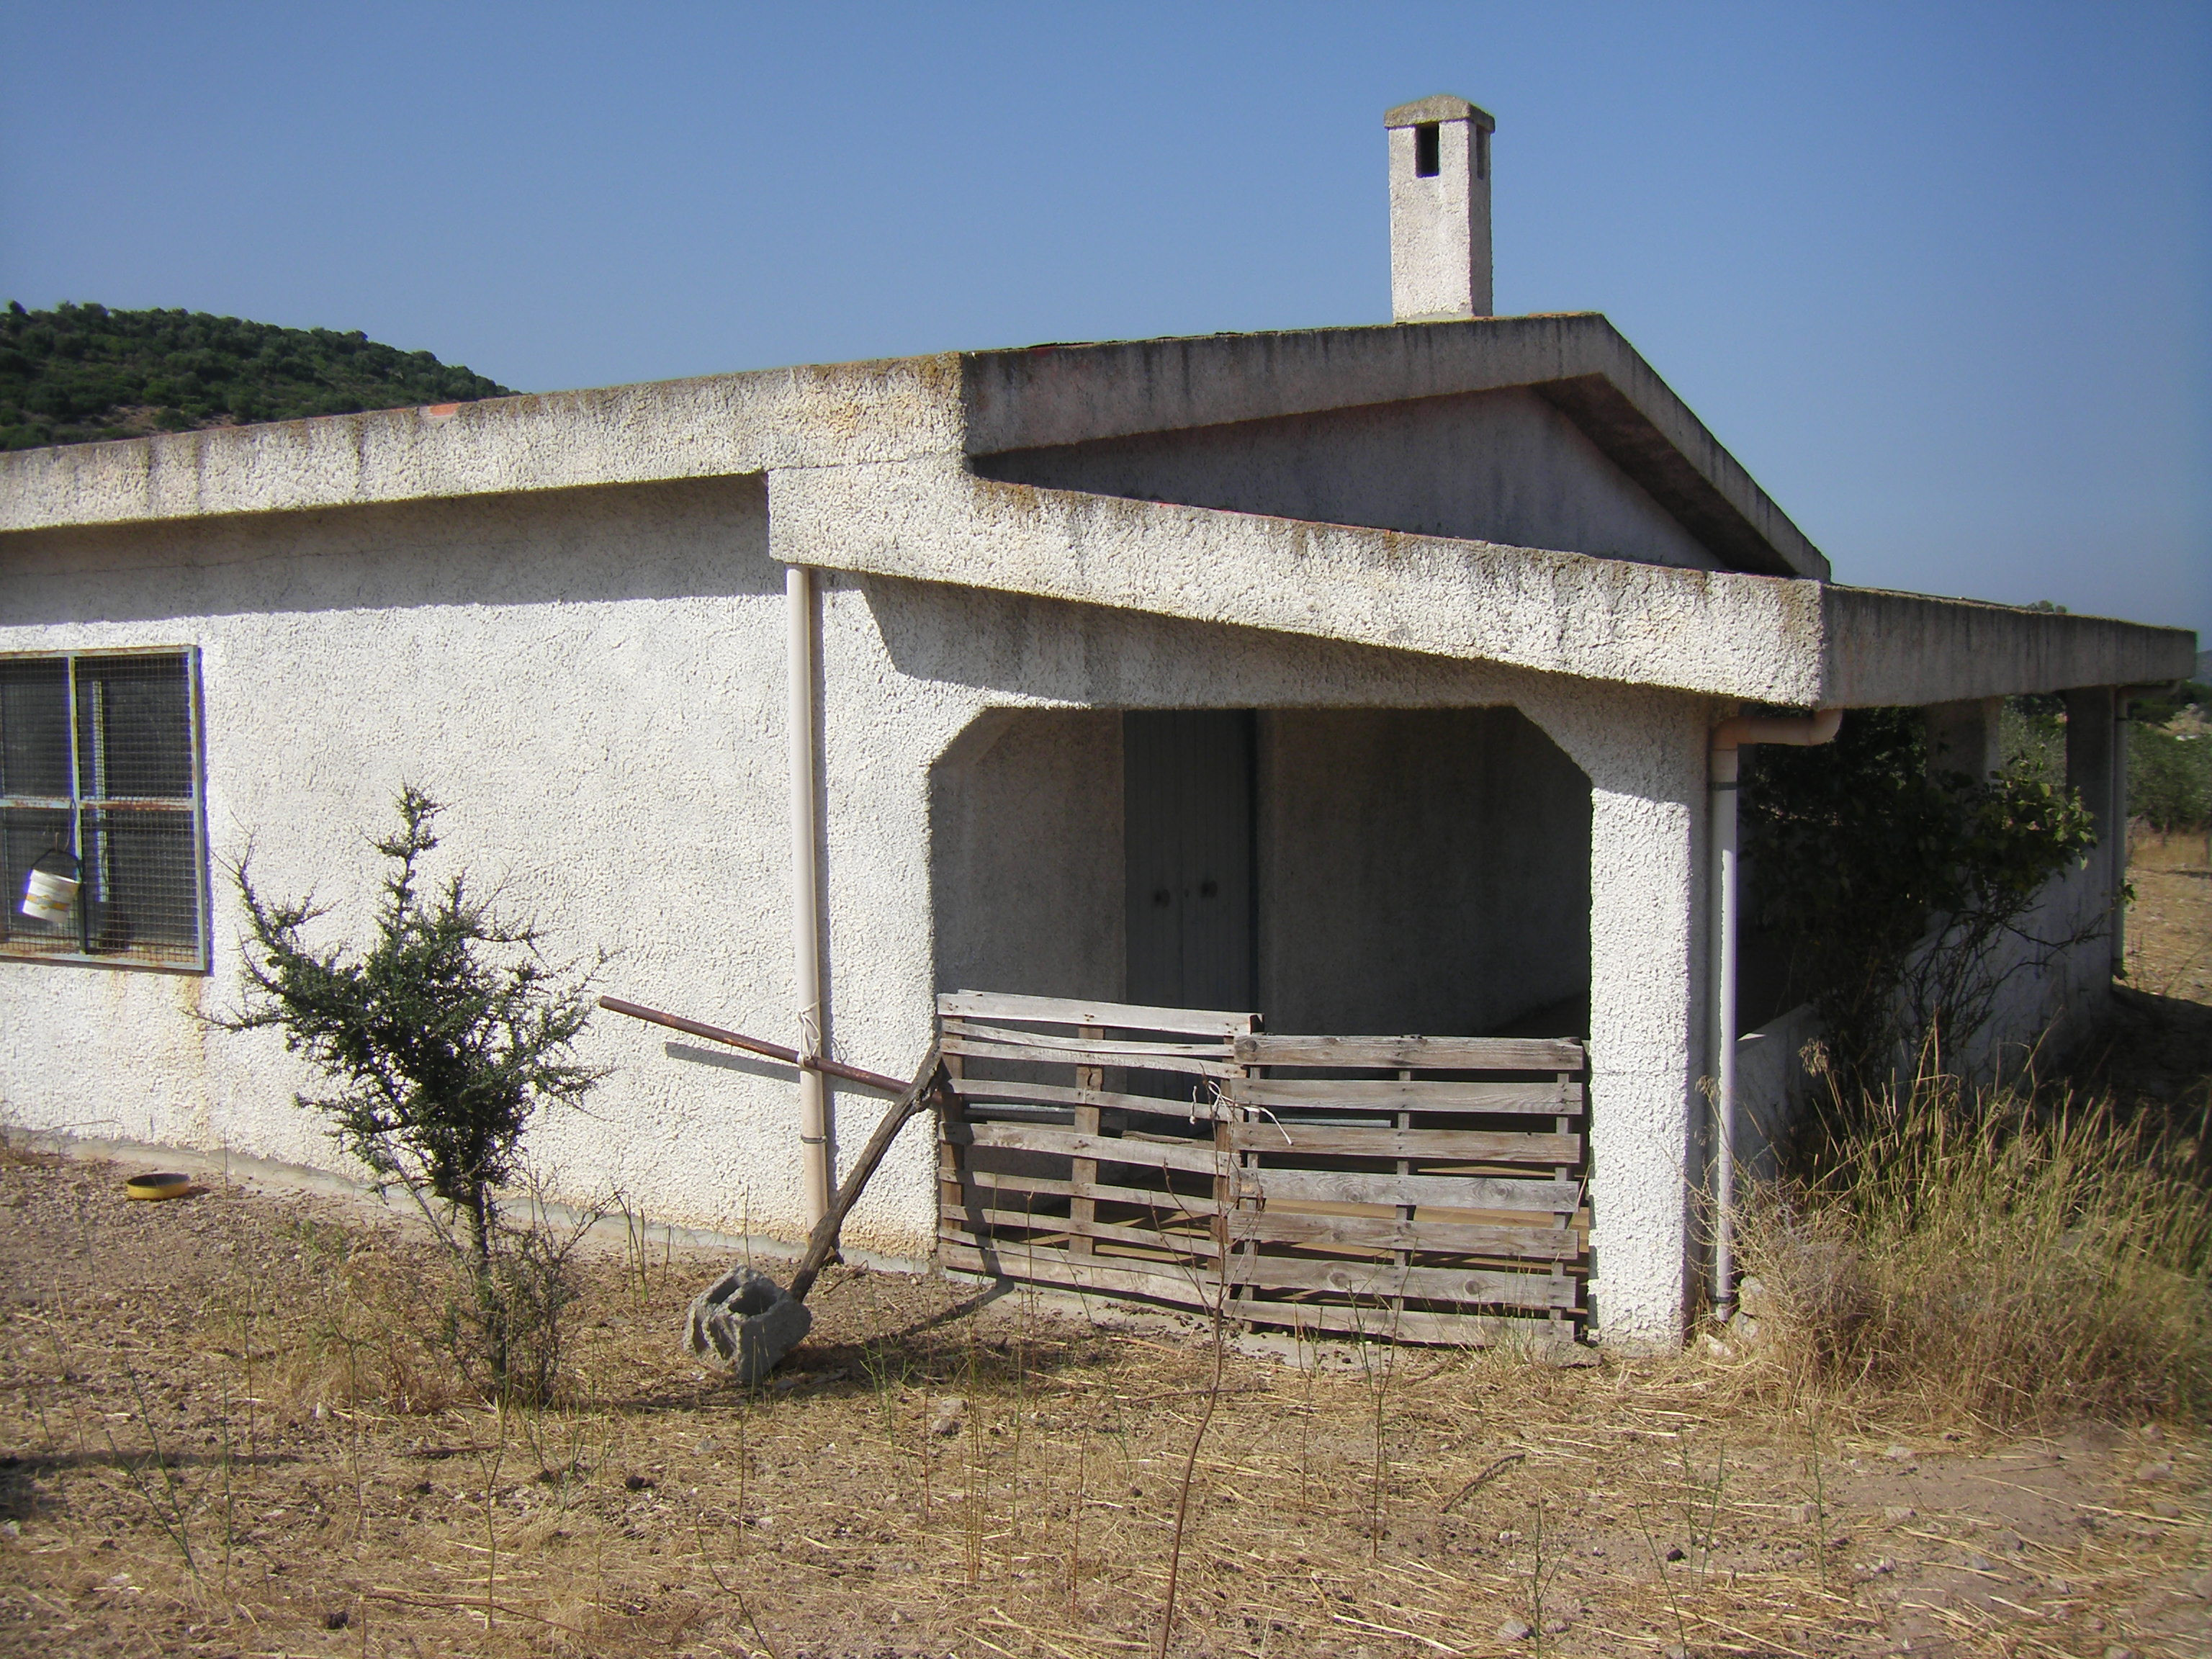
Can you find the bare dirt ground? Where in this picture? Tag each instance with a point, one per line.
(224, 1434)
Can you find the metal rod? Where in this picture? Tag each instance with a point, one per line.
(836, 1068)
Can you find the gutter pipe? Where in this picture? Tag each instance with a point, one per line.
(1730, 737)
(806, 890)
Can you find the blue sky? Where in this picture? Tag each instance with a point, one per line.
(1939, 275)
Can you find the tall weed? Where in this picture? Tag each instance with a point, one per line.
(1970, 1255)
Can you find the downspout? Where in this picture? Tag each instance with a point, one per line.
(1730, 737)
(806, 888)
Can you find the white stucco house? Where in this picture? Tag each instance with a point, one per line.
(1365, 678)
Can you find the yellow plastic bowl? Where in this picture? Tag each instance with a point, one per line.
(156, 1187)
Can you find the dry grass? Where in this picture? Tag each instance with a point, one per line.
(228, 1433)
(1986, 1258)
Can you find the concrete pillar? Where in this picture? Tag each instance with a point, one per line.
(2093, 768)
(1439, 209)
(1966, 736)
(1647, 1009)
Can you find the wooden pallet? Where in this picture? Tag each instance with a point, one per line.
(1424, 1188)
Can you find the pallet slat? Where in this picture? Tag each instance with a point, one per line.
(1198, 1158)
(1178, 1206)
(1118, 1016)
(1442, 1192)
(1204, 1061)
(970, 1221)
(991, 1090)
(1410, 1325)
(1274, 1226)
(1047, 1267)
(1413, 1053)
(1393, 1095)
(1469, 1145)
(1375, 1281)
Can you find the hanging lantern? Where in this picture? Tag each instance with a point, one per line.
(49, 896)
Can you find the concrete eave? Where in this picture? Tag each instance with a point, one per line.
(716, 426)
(1760, 639)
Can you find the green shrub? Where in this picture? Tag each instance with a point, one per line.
(443, 1041)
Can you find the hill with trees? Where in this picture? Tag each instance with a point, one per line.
(79, 373)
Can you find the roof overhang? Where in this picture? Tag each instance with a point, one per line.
(1760, 639)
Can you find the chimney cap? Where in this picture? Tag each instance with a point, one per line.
(1444, 106)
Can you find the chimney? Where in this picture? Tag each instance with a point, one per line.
(1439, 209)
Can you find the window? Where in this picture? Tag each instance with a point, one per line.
(1428, 150)
(99, 786)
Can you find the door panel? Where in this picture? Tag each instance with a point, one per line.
(1187, 787)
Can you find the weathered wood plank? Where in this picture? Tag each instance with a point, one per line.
(1044, 1266)
(1276, 1226)
(1198, 1158)
(1201, 1061)
(1413, 1053)
(1444, 1330)
(971, 1220)
(1373, 1280)
(986, 1090)
(1167, 1206)
(1384, 1140)
(1120, 1015)
(1391, 1094)
(1448, 1192)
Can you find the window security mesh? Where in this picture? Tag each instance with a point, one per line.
(99, 779)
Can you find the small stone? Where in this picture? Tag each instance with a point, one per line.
(1673, 1651)
(1556, 1627)
(1897, 1454)
(636, 1482)
(2166, 1509)
(947, 1415)
(1981, 1563)
(1894, 1512)
(1674, 1554)
(2115, 1651)
(2160, 1470)
(1513, 1630)
(709, 1446)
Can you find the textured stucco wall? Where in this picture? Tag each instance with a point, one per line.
(594, 678)
(1422, 870)
(1491, 466)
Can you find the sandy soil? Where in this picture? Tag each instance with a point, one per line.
(225, 1434)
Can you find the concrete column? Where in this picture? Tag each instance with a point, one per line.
(1966, 736)
(1647, 858)
(2093, 768)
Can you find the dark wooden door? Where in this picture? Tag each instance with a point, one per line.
(1188, 793)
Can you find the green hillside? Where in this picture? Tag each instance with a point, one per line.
(79, 373)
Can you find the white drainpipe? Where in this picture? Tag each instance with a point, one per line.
(806, 888)
(1729, 737)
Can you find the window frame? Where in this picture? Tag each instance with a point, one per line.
(79, 801)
